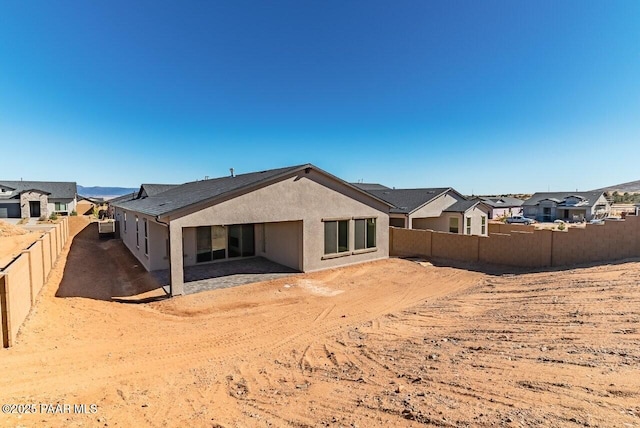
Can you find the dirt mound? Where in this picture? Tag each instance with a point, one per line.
(7, 229)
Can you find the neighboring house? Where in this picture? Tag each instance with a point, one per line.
(441, 209)
(569, 206)
(36, 199)
(503, 206)
(301, 217)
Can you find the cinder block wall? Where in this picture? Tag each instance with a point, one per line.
(455, 247)
(36, 269)
(615, 240)
(409, 242)
(46, 254)
(16, 298)
(22, 280)
(508, 228)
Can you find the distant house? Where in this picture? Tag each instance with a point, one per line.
(568, 206)
(301, 217)
(35, 199)
(441, 209)
(503, 206)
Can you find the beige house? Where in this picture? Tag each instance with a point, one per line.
(301, 217)
(440, 209)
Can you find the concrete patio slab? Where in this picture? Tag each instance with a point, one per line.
(214, 276)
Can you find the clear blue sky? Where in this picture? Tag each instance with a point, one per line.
(487, 97)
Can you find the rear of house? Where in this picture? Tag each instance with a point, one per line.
(300, 217)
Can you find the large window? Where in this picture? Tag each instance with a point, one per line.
(453, 225)
(137, 233)
(336, 236)
(146, 237)
(484, 225)
(365, 233)
(60, 206)
(468, 225)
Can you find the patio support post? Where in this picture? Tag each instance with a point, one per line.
(176, 258)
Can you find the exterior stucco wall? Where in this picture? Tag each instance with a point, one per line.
(282, 243)
(434, 208)
(476, 215)
(157, 257)
(71, 205)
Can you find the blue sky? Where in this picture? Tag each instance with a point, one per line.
(487, 97)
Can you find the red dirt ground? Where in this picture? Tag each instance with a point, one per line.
(390, 343)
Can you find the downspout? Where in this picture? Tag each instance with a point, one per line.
(169, 255)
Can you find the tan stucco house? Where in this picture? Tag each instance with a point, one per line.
(441, 209)
(567, 206)
(301, 217)
(36, 199)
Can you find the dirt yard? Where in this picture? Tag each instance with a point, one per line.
(391, 343)
(14, 239)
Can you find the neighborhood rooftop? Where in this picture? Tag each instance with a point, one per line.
(408, 200)
(461, 206)
(589, 197)
(56, 189)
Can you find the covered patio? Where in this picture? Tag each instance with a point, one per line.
(225, 274)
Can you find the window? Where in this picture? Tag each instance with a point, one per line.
(365, 231)
(146, 238)
(336, 236)
(483, 223)
(468, 225)
(137, 234)
(125, 222)
(60, 206)
(453, 225)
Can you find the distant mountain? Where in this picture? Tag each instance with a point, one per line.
(104, 192)
(631, 187)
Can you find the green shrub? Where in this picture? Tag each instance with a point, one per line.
(53, 216)
(561, 226)
(74, 212)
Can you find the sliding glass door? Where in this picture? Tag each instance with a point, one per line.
(210, 243)
(219, 242)
(241, 240)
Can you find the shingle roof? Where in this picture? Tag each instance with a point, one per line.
(505, 201)
(152, 189)
(125, 197)
(56, 189)
(369, 186)
(461, 206)
(198, 191)
(590, 198)
(406, 201)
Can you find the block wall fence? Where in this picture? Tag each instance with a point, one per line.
(22, 280)
(523, 246)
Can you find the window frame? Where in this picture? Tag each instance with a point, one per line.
(146, 237)
(367, 246)
(337, 252)
(468, 225)
(137, 233)
(124, 215)
(483, 225)
(457, 226)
